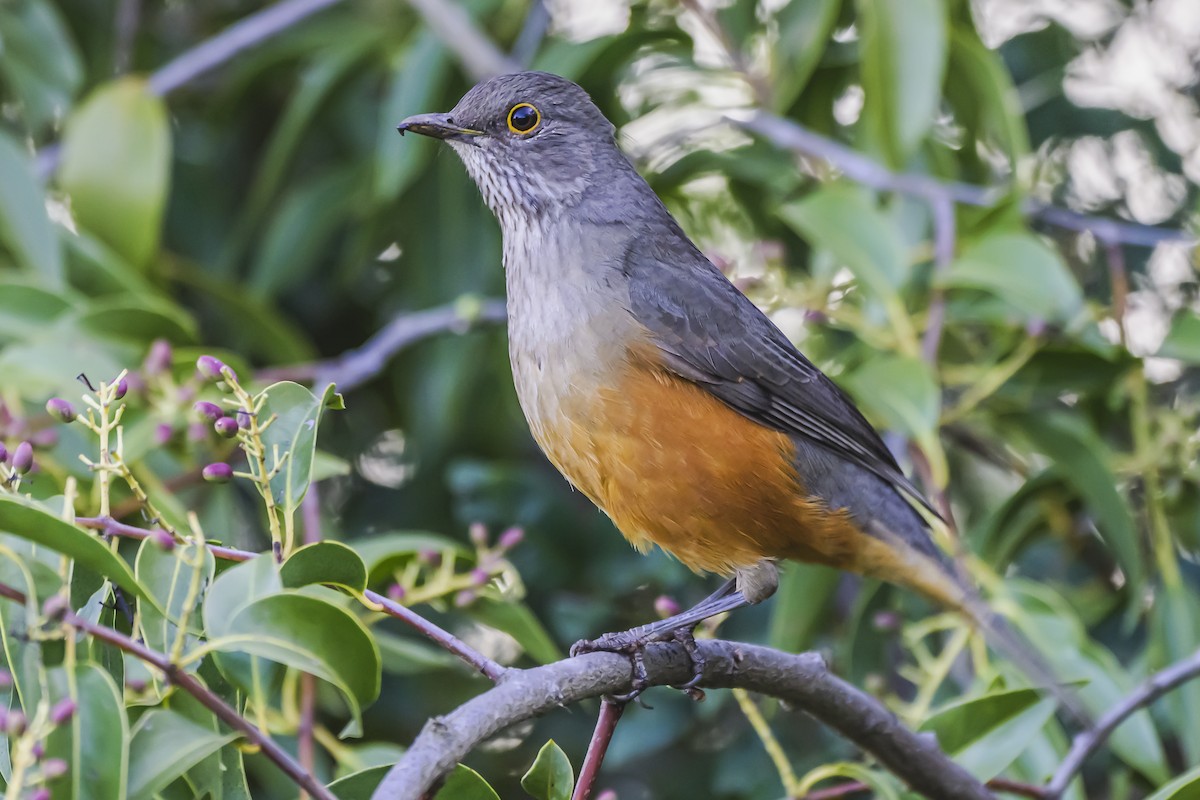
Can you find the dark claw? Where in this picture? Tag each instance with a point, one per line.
(633, 644)
(685, 638)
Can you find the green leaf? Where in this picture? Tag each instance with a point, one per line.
(25, 308)
(912, 401)
(843, 220)
(986, 734)
(329, 563)
(415, 85)
(464, 784)
(551, 776)
(41, 64)
(1183, 340)
(519, 622)
(165, 745)
(1185, 787)
(1077, 450)
(139, 319)
(231, 591)
(386, 552)
(359, 785)
(1021, 270)
(169, 577)
(116, 160)
(28, 521)
(95, 741)
(799, 604)
(404, 656)
(297, 415)
(804, 30)
(1176, 631)
(24, 225)
(984, 93)
(312, 635)
(903, 50)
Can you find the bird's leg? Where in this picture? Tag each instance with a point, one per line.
(749, 586)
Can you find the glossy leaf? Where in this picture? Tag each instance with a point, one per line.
(170, 576)
(330, 563)
(903, 60)
(25, 308)
(986, 734)
(25, 227)
(297, 415)
(519, 622)
(551, 776)
(95, 740)
(165, 745)
(384, 552)
(1185, 787)
(313, 635)
(115, 166)
(465, 783)
(1183, 339)
(1021, 270)
(804, 28)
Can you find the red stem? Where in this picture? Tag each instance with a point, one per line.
(606, 725)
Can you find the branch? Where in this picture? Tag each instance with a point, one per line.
(606, 726)
(861, 169)
(355, 367)
(1087, 742)
(187, 682)
(801, 681)
(452, 24)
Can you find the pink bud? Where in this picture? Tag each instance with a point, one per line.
(46, 437)
(63, 710)
(666, 606)
(61, 410)
(22, 458)
(5, 678)
(122, 388)
(41, 794)
(480, 577)
(14, 723)
(209, 367)
(217, 473)
(226, 427)
(478, 534)
(607, 794)
(464, 598)
(54, 768)
(430, 558)
(207, 411)
(396, 592)
(163, 433)
(163, 539)
(3, 453)
(511, 538)
(39, 750)
(158, 360)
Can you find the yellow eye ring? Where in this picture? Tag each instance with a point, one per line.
(521, 121)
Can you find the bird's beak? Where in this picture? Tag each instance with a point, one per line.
(439, 126)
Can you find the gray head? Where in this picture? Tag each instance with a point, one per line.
(533, 142)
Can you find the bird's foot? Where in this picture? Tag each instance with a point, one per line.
(633, 643)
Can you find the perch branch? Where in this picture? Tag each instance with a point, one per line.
(801, 681)
(188, 683)
(606, 726)
(1087, 742)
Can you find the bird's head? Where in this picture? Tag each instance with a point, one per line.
(531, 141)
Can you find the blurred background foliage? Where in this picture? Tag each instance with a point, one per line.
(266, 209)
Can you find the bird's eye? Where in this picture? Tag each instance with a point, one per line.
(523, 118)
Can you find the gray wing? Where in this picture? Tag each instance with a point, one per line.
(711, 334)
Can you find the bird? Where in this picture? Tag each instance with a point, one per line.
(657, 388)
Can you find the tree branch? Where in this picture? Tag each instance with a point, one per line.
(355, 367)
(854, 165)
(606, 726)
(205, 696)
(1087, 742)
(454, 26)
(800, 680)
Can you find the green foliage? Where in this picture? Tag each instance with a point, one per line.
(268, 211)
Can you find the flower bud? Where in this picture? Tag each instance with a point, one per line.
(3, 453)
(464, 598)
(511, 538)
(41, 794)
(158, 360)
(209, 367)
(207, 411)
(22, 458)
(480, 577)
(60, 409)
(431, 558)
(217, 473)
(226, 427)
(198, 432)
(63, 710)
(396, 592)
(54, 768)
(886, 621)
(163, 433)
(607, 794)
(46, 437)
(56, 606)
(243, 418)
(39, 750)
(666, 606)
(163, 539)
(135, 685)
(14, 723)
(5, 679)
(478, 534)
(122, 388)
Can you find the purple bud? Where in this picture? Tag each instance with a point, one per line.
(163, 433)
(511, 538)
(22, 458)
(61, 410)
(243, 418)
(158, 360)
(41, 794)
(478, 534)
(207, 411)
(5, 679)
(3, 453)
(209, 367)
(666, 606)
(480, 577)
(198, 432)
(135, 685)
(227, 427)
(56, 606)
(122, 388)
(607, 794)
(163, 538)
(14, 723)
(39, 750)
(886, 621)
(396, 592)
(464, 598)
(217, 473)
(54, 768)
(46, 437)
(63, 710)
(430, 558)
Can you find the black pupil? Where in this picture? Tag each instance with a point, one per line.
(524, 118)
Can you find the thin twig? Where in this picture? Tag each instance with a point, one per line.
(606, 725)
(111, 527)
(997, 784)
(355, 367)
(188, 683)
(1089, 741)
(455, 28)
(854, 165)
(802, 681)
(533, 30)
